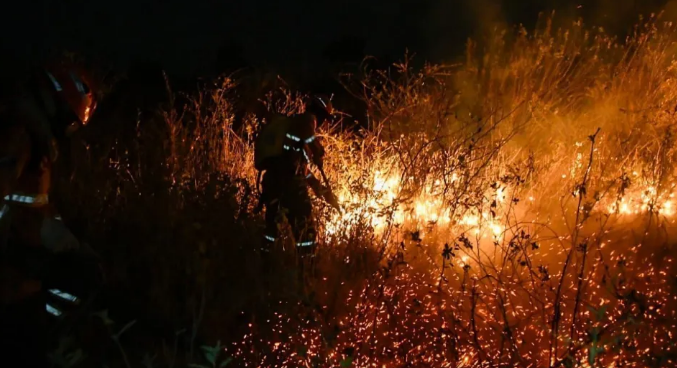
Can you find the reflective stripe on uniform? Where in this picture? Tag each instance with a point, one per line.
(298, 139)
(305, 244)
(269, 238)
(39, 199)
(293, 137)
(53, 310)
(78, 83)
(57, 86)
(64, 295)
(288, 148)
(3, 211)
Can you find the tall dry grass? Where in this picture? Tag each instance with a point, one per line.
(520, 204)
(512, 210)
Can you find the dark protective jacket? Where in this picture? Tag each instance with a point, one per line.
(27, 151)
(34, 242)
(286, 180)
(44, 270)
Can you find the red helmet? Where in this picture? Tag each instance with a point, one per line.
(74, 87)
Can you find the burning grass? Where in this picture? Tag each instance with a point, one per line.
(517, 201)
(514, 210)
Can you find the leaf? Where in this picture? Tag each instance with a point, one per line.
(210, 356)
(148, 361)
(103, 315)
(212, 353)
(65, 343)
(61, 357)
(347, 362)
(58, 360)
(465, 241)
(592, 354)
(225, 362)
(124, 329)
(599, 313)
(594, 334)
(568, 361)
(446, 253)
(75, 358)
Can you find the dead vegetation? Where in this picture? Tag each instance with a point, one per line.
(513, 210)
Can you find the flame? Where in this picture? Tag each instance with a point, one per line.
(85, 118)
(427, 209)
(506, 267)
(644, 200)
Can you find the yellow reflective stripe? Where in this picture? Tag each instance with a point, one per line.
(310, 140)
(305, 244)
(3, 211)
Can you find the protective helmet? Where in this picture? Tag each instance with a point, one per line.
(74, 88)
(321, 107)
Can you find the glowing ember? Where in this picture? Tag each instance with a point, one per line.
(498, 235)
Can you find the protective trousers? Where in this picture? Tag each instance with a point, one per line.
(288, 198)
(43, 271)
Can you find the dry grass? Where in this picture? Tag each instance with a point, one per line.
(513, 210)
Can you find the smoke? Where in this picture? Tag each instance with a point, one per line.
(671, 10)
(450, 23)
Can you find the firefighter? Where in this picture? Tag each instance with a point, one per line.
(43, 268)
(285, 151)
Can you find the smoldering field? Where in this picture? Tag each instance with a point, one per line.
(515, 209)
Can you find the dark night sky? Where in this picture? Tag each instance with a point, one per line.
(186, 35)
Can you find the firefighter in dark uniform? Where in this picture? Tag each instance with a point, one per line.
(44, 270)
(288, 176)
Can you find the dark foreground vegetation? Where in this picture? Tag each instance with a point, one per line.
(514, 210)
